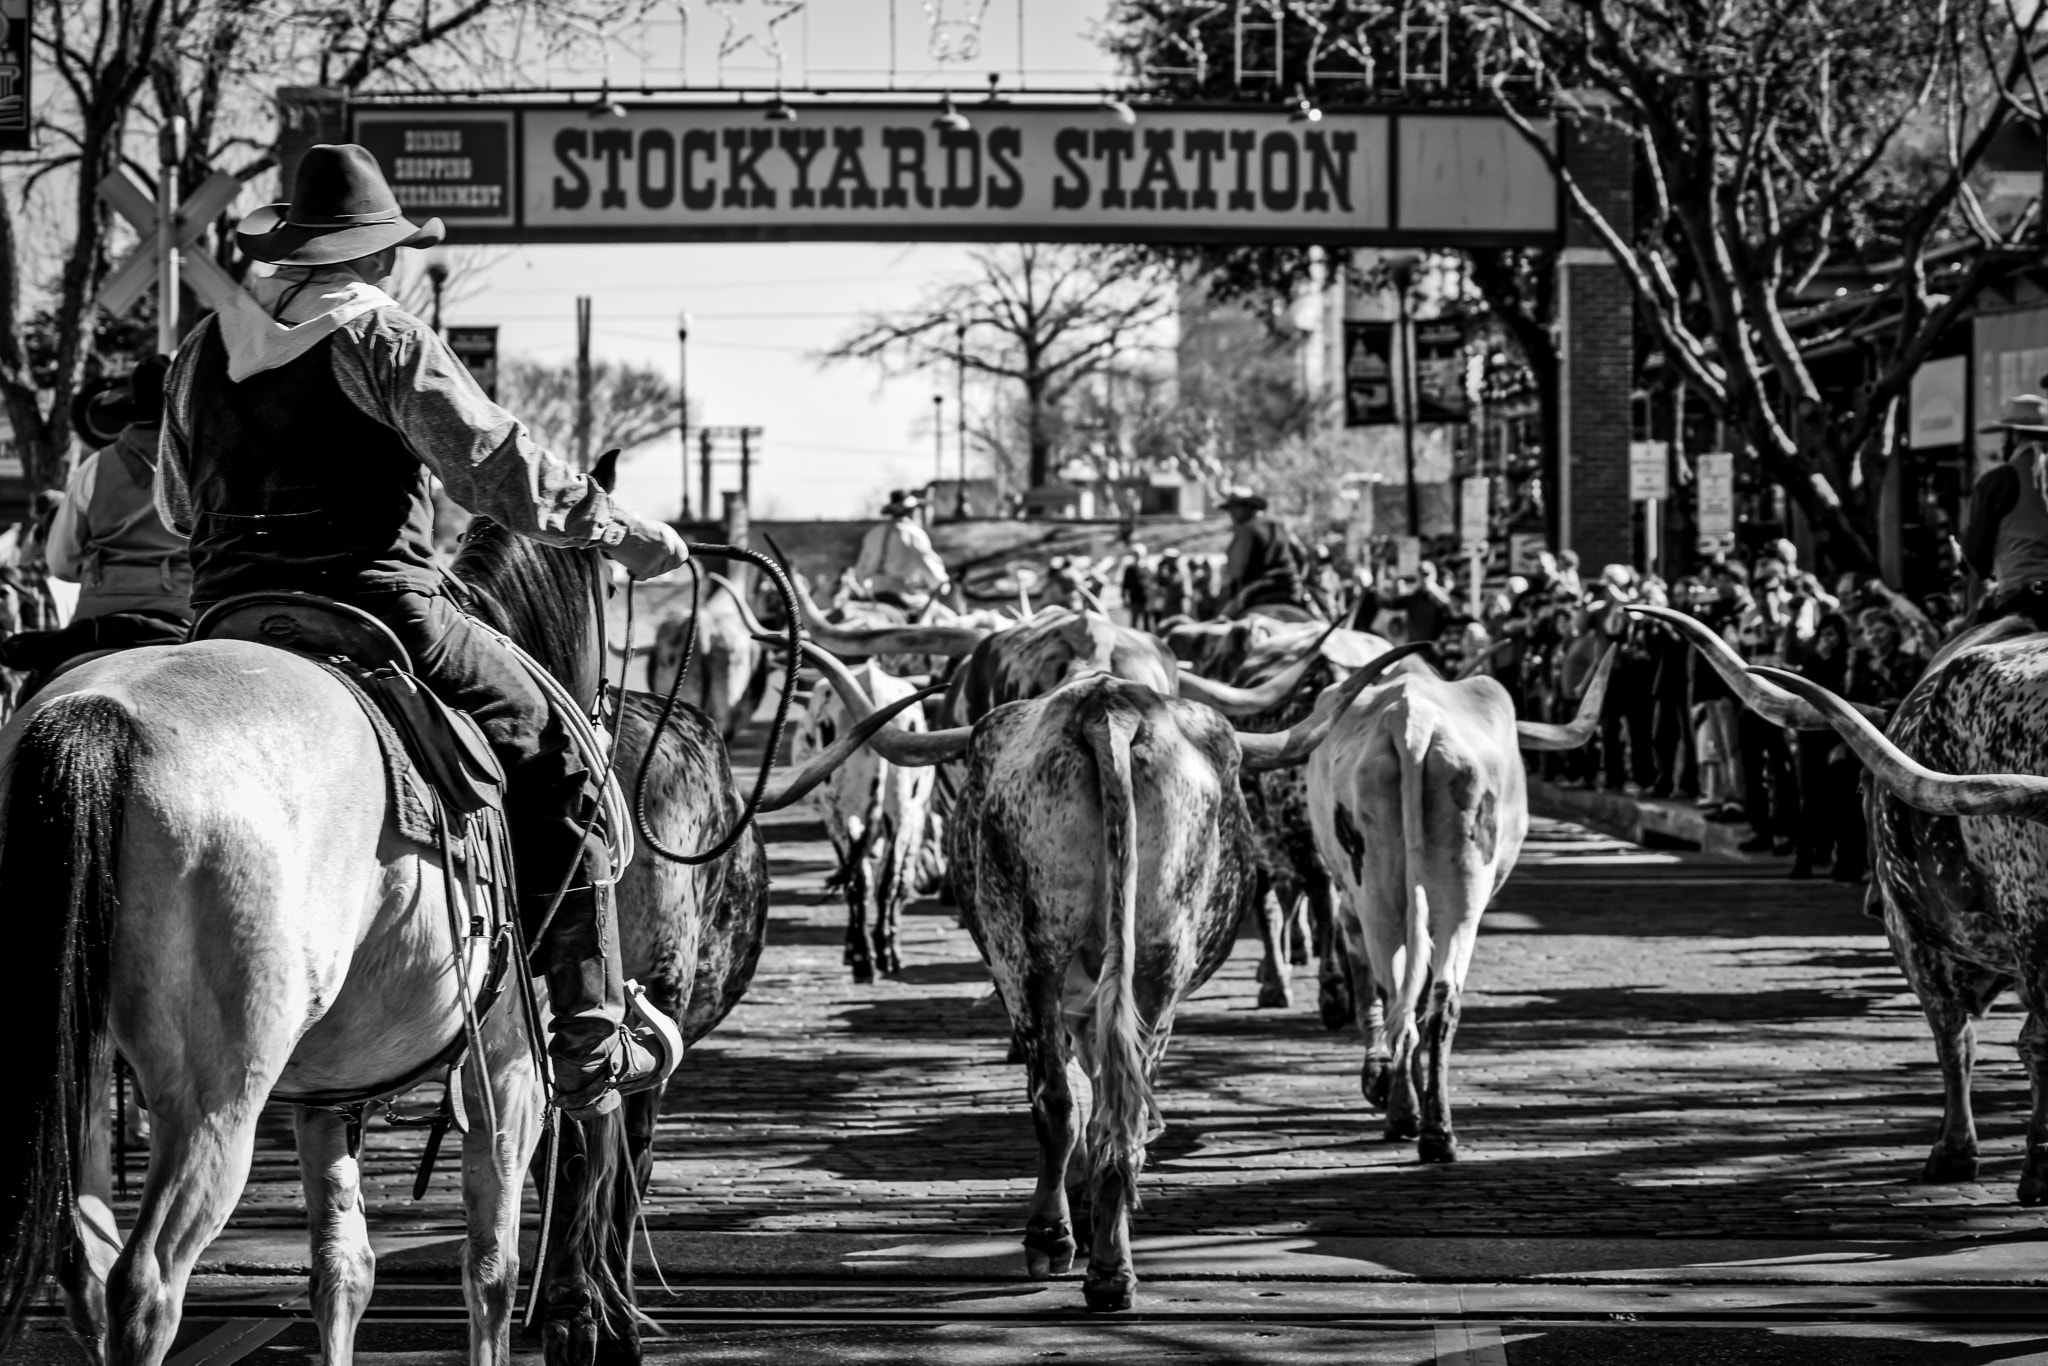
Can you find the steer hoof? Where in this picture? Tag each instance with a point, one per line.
(1944, 1168)
(1376, 1083)
(1437, 1148)
(1110, 1295)
(1333, 1003)
(570, 1341)
(863, 970)
(2033, 1186)
(1401, 1128)
(1048, 1250)
(1275, 996)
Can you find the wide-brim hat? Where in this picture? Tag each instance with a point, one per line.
(341, 208)
(901, 500)
(2023, 413)
(1242, 497)
(98, 413)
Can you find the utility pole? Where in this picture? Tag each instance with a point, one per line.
(170, 141)
(704, 469)
(683, 402)
(1404, 344)
(583, 381)
(960, 413)
(938, 437)
(437, 280)
(746, 469)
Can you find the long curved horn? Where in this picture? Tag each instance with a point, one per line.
(747, 617)
(954, 642)
(1549, 735)
(1946, 794)
(1772, 703)
(1294, 746)
(904, 748)
(819, 769)
(1251, 701)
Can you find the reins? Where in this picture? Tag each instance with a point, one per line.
(794, 617)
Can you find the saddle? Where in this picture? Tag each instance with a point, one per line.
(425, 742)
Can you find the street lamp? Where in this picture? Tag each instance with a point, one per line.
(437, 280)
(938, 437)
(683, 400)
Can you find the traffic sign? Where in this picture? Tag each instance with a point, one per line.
(130, 280)
(1649, 471)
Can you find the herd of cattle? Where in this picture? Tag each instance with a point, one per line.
(1110, 804)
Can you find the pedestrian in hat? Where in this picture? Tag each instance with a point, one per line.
(133, 573)
(897, 564)
(2005, 535)
(302, 424)
(1260, 569)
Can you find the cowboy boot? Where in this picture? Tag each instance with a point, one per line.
(608, 1039)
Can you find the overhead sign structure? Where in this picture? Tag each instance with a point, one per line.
(1003, 171)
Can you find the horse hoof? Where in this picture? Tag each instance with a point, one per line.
(1437, 1148)
(1377, 1085)
(1048, 1251)
(1110, 1295)
(1945, 1168)
(863, 973)
(1275, 996)
(570, 1341)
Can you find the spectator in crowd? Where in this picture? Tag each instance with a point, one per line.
(1626, 713)
(1207, 599)
(1137, 588)
(897, 564)
(1170, 587)
(2005, 535)
(1424, 601)
(1831, 818)
(1765, 633)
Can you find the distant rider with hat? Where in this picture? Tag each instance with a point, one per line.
(897, 564)
(302, 423)
(133, 575)
(2005, 535)
(1260, 569)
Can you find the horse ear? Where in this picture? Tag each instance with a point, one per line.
(606, 470)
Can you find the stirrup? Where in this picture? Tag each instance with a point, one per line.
(662, 1034)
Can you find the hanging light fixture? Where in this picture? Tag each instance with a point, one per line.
(605, 106)
(950, 119)
(780, 110)
(1120, 107)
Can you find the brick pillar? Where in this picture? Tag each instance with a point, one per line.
(1596, 314)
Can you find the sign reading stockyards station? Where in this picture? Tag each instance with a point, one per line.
(695, 172)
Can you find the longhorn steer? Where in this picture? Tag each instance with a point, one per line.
(1420, 805)
(875, 815)
(1103, 860)
(729, 672)
(1959, 864)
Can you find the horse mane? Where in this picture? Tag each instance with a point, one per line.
(544, 598)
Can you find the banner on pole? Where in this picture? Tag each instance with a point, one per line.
(477, 348)
(1716, 506)
(1369, 374)
(1474, 510)
(1649, 471)
(1440, 372)
(16, 75)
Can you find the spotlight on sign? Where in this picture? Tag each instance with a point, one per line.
(1121, 108)
(780, 111)
(950, 118)
(1304, 109)
(605, 107)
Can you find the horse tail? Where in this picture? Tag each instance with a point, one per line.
(1125, 1117)
(1412, 750)
(62, 834)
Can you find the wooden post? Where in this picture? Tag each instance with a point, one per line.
(736, 533)
(583, 382)
(169, 143)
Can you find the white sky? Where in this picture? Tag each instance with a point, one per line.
(836, 438)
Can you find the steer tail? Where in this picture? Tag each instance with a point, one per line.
(1125, 1118)
(62, 831)
(1417, 730)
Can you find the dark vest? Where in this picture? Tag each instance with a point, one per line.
(2020, 554)
(132, 561)
(295, 488)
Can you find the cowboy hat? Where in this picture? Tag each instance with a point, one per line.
(901, 501)
(2023, 413)
(100, 412)
(341, 209)
(1239, 495)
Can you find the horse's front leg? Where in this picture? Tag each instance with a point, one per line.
(344, 1266)
(493, 1168)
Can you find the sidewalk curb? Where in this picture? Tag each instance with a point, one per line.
(1632, 818)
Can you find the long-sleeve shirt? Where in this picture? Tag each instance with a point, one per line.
(395, 369)
(896, 556)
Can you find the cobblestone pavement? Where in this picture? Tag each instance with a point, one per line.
(1653, 1044)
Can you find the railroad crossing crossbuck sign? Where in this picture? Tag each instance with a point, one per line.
(130, 280)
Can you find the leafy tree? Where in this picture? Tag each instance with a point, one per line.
(1043, 318)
